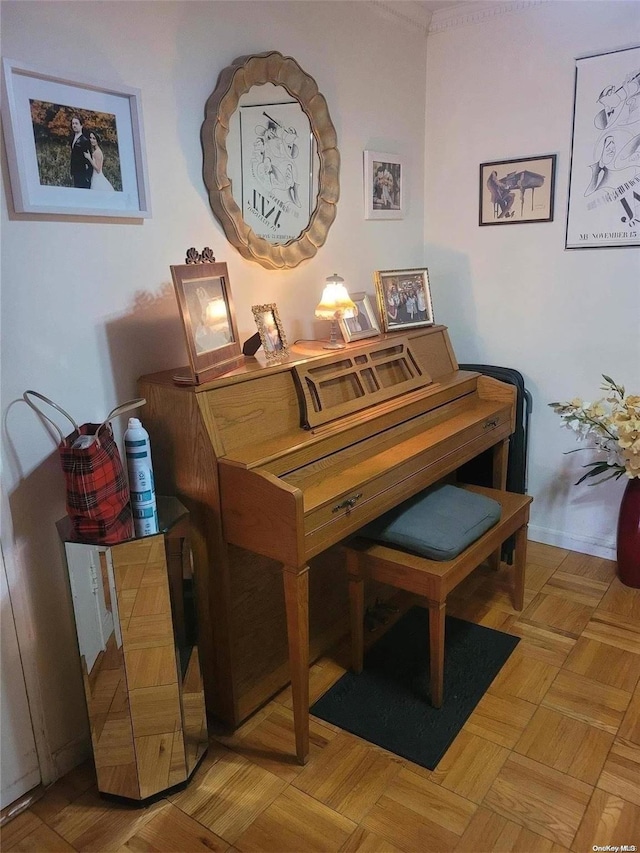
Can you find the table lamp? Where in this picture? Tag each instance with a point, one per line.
(334, 304)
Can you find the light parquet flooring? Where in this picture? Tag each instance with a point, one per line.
(548, 761)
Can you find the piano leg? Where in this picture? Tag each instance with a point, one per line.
(296, 597)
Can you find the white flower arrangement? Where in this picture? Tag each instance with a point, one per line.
(613, 424)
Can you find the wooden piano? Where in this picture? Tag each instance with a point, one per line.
(277, 464)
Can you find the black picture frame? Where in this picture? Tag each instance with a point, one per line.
(503, 190)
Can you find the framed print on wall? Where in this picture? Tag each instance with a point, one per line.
(604, 182)
(404, 299)
(208, 318)
(517, 191)
(271, 331)
(276, 147)
(384, 186)
(364, 324)
(73, 148)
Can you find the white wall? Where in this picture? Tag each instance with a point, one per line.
(513, 296)
(88, 306)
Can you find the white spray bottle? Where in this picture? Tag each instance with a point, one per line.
(141, 485)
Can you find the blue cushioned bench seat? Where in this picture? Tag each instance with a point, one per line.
(427, 546)
(437, 523)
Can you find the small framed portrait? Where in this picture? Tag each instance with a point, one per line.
(384, 186)
(74, 148)
(404, 299)
(206, 309)
(271, 331)
(364, 324)
(517, 191)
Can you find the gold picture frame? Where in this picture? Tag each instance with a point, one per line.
(208, 318)
(404, 299)
(364, 324)
(271, 331)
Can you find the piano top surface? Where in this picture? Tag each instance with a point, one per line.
(257, 366)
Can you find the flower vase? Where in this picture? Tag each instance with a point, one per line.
(628, 543)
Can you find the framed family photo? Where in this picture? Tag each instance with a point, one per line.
(517, 191)
(404, 299)
(73, 147)
(384, 186)
(364, 324)
(604, 183)
(208, 318)
(271, 331)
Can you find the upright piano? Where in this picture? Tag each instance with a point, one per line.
(280, 463)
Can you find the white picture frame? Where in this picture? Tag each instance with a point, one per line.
(38, 109)
(604, 178)
(364, 324)
(384, 185)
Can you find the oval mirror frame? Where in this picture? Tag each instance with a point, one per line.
(235, 81)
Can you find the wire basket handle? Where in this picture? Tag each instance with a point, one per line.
(122, 409)
(26, 397)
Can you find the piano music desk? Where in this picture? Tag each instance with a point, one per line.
(278, 464)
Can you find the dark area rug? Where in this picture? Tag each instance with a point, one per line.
(388, 703)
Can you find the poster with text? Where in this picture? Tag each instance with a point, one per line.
(276, 149)
(604, 188)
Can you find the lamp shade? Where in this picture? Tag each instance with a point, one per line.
(335, 301)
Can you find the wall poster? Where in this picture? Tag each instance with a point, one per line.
(276, 145)
(604, 187)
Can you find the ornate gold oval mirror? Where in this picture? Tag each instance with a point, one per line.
(271, 162)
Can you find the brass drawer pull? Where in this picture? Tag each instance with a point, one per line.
(348, 504)
(491, 424)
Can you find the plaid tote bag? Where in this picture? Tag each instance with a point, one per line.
(97, 489)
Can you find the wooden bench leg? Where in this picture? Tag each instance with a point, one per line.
(436, 650)
(519, 562)
(356, 610)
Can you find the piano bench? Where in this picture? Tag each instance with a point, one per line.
(433, 579)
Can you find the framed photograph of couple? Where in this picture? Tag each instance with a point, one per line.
(364, 324)
(208, 318)
(384, 186)
(271, 331)
(74, 148)
(404, 299)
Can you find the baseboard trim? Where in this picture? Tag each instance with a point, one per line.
(20, 805)
(582, 544)
(71, 755)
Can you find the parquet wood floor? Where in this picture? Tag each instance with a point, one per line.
(548, 761)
